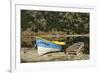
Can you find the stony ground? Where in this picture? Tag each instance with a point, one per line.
(31, 55)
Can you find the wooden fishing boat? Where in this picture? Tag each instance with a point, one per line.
(45, 46)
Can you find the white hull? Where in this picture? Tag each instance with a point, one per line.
(43, 50)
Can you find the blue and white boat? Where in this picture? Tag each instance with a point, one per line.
(45, 46)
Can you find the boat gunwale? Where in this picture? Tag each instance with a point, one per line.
(47, 40)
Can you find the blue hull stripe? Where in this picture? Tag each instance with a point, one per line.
(45, 44)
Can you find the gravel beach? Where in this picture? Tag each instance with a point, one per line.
(30, 55)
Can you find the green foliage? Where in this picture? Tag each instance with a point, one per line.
(69, 22)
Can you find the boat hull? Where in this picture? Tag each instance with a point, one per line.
(45, 46)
